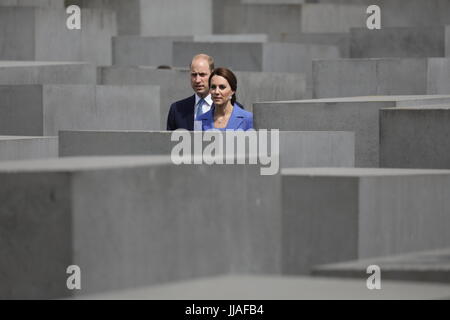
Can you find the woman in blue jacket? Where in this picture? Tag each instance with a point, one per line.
(225, 114)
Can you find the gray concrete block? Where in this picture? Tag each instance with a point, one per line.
(415, 137)
(447, 41)
(157, 17)
(41, 34)
(387, 76)
(423, 101)
(175, 17)
(29, 72)
(340, 40)
(346, 214)
(33, 3)
(256, 37)
(127, 13)
(237, 56)
(98, 27)
(275, 1)
(325, 18)
(239, 17)
(359, 115)
(426, 266)
(144, 51)
(175, 85)
(131, 221)
(438, 76)
(156, 51)
(233, 16)
(297, 149)
(240, 287)
(266, 57)
(22, 148)
(398, 42)
(45, 109)
(405, 13)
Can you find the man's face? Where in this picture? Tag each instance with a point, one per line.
(199, 77)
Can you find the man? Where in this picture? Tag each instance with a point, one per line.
(183, 113)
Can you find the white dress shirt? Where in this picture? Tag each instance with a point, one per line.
(205, 108)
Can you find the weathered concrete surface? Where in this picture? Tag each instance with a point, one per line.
(415, 137)
(251, 56)
(22, 148)
(428, 266)
(398, 42)
(297, 149)
(357, 114)
(41, 34)
(387, 76)
(340, 40)
(239, 17)
(116, 219)
(251, 37)
(257, 57)
(175, 85)
(33, 3)
(157, 51)
(240, 287)
(30, 72)
(157, 17)
(275, 1)
(144, 51)
(45, 109)
(405, 13)
(343, 214)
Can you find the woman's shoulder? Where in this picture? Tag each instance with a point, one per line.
(242, 112)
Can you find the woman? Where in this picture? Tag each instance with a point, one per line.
(225, 114)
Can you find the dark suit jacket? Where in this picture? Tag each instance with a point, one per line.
(181, 114)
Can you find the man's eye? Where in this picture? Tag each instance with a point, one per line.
(202, 74)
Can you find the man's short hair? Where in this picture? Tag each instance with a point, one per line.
(206, 57)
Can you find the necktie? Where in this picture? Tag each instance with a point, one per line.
(200, 104)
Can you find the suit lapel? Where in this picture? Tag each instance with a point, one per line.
(236, 118)
(190, 114)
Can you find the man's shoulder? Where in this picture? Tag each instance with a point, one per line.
(187, 101)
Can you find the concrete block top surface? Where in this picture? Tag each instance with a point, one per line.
(33, 3)
(372, 59)
(82, 164)
(10, 138)
(419, 261)
(359, 172)
(422, 108)
(249, 37)
(4, 63)
(363, 99)
(275, 288)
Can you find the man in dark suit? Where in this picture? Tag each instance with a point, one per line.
(183, 113)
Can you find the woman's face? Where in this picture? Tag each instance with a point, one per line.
(220, 90)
